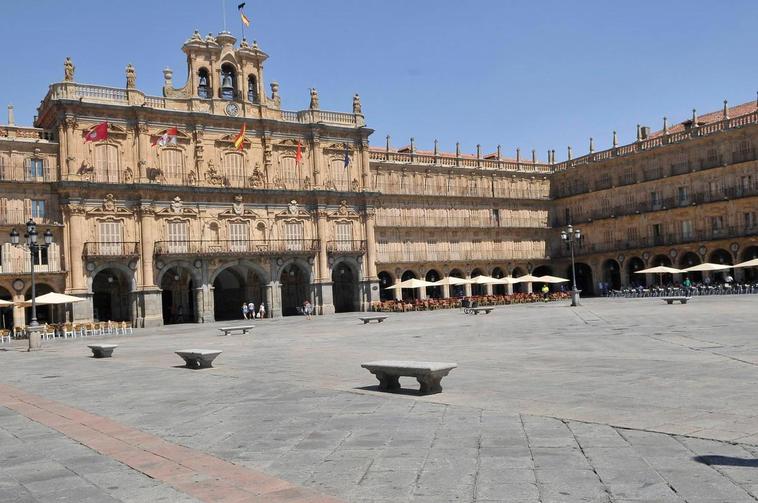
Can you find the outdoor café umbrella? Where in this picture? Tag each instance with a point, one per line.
(482, 280)
(411, 283)
(526, 278)
(707, 266)
(450, 280)
(508, 280)
(5, 303)
(660, 271)
(749, 263)
(551, 279)
(53, 298)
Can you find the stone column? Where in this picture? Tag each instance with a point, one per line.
(273, 294)
(467, 286)
(366, 167)
(77, 224)
(318, 179)
(150, 296)
(69, 148)
(488, 289)
(370, 245)
(143, 151)
(398, 291)
(324, 277)
(204, 306)
(445, 291)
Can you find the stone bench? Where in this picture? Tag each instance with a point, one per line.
(198, 358)
(477, 310)
(102, 350)
(428, 374)
(378, 317)
(243, 328)
(670, 300)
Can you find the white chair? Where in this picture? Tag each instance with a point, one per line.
(69, 330)
(5, 336)
(126, 327)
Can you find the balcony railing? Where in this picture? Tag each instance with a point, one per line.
(108, 249)
(20, 217)
(238, 247)
(19, 173)
(466, 222)
(483, 190)
(346, 246)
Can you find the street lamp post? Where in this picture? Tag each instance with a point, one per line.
(35, 338)
(572, 237)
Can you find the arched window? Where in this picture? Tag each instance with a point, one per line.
(234, 169)
(252, 89)
(203, 84)
(228, 81)
(172, 165)
(106, 163)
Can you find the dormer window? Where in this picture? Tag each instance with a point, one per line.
(203, 84)
(252, 89)
(228, 82)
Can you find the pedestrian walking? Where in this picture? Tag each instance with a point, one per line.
(245, 310)
(307, 308)
(251, 309)
(262, 311)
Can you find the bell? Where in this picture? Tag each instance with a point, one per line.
(226, 82)
(203, 81)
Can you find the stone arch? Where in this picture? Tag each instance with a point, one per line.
(195, 273)
(346, 277)
(457, 290)
(409, 293)
(178, 282)
(690, 259)
(498, 273)
(6, 313)
(294, 285)
(477, 290)
(611, 275)
(749, 274)
(111, 288)
(516, 272)
(434, 292)
(664, 260)
(385, 280)
(235, 283)
(633, 265)
(583, 278)
(721, 256)
(118, 266)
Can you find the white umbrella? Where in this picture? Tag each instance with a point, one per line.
(482, 280)
(527, 278)
(53, 298)
(661, 269)
(411, 283)
(707, 266)
(551, 279)
(508, 280)
(749, 263)
(5, 303)
(450, 280)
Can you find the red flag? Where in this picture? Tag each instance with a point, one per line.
(167, 138)
(299, 153)
(97, 133)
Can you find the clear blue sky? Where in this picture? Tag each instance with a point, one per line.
(537, 74)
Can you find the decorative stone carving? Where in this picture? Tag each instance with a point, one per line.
(128, 175)
(279, 184)
(314, 99)
(108, 203)
(68, 70)
(192, 178)
(86, 171)
(357, 105)
(176, 205)
(292, 207)
(343, 208)
(213, 177)
(307, 183)
(275, 95)
(168, 78)
(131, 77)
(155, 175)
(355, 185)
(238, 206)
(257, 180)
(329, 185)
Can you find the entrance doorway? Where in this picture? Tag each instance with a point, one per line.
(344, 288)
(110, 296)
(233, 286)
(178, 296)
(294, 288)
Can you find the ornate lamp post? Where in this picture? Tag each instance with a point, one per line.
(572, 237)
(35, 339)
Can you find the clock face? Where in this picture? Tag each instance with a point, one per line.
(232, 109)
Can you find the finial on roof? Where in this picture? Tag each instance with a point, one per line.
(639, 132)
(726, 111)
(11, 116)
(498, 152)
(478, 151)
(457, 149)
(552, 152)
(413, 144)
(592, 146)
(665, 125)
(534, 156)
(615, 140)
(388, 143)
(694, 118)
(518, 155)
(436, 146)
(569, 152)
(549, 157)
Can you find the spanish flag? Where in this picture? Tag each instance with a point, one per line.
(240, 139)
(243, 17)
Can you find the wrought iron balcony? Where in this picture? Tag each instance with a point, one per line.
(238, 247)
(111, 249)
(346, 246)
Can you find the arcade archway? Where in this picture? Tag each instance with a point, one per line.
(385, 281)
(611, 275)
(721, 257)
(690, 259)
(498, 289)
(583, 278)
(6, 313)
(662, 279)
(45, 314)
(409, 293)
(295, 284)
(232, 286)
(518, 287)
(633, 265)
(749, 274)
(457, 290)
(476, 289)
(433, 292)
(345, 288)
(111, 300)
(178, 296)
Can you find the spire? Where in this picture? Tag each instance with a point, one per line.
(549, 157)
(518, 155)
(615, 140)
(534, 156)
(478, 151)
(457, 149)
(413, 144)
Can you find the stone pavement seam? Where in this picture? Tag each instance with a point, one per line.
(190, 471)
(589, 461)
(717, 470)
(531, 455)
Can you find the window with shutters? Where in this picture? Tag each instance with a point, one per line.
(238, 235)
(110, 237)
(687, 229)
(344, 235)
(289, 172)
(178, 235)
(234, 169)
(293, 235)
(172, 165)
(35, 169)
(106, 163)
(340, 174)
(4, 175)
(38, 209)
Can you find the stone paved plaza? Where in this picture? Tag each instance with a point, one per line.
(615, 401)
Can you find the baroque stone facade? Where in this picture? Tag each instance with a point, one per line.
(186, 230)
